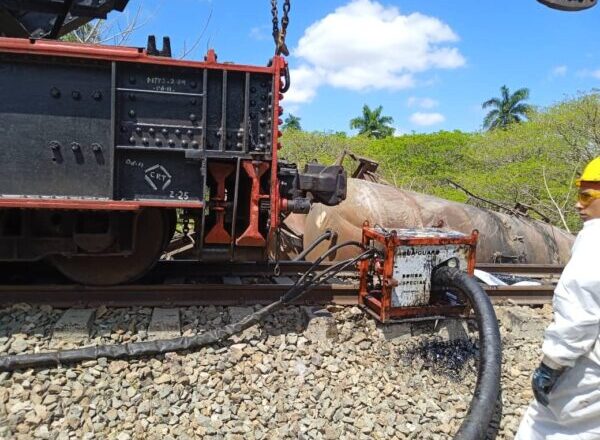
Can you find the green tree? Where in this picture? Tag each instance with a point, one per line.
(373, 124)
(292, 123)
(89, 33)
(507, 109)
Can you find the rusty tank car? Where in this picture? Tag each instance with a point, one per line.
(503, 237)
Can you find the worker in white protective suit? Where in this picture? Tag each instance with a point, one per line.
(566, 385)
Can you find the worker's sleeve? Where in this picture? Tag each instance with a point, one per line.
(576, 325)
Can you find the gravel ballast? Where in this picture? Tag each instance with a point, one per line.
(304, 374)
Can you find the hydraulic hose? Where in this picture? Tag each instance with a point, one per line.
(487, 389)
(327, 235)
(305, 284)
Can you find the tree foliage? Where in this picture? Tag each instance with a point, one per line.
(506, 110)
(116, 31)
(89, 33)
(292, 123)
(533, 164)
(372, 124)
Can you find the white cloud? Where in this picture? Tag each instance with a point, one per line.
(425, 103)
(426, 119)
(259, 33)
(400, 131)
(364, 45)
(559, 71)
(589, 73)
(304, 84)
(595, 74)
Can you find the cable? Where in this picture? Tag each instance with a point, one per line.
(323, 277)
(327, 235)
(152, 348)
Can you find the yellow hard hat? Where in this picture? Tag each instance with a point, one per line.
(591, 172)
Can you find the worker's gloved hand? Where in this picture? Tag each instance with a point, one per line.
(543, 381)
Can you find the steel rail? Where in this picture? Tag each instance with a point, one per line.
(522, 269)
(171, 270)
(221, 294)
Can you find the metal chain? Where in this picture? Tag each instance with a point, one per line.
(280, 34)
(186, 223)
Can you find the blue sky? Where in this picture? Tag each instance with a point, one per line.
(430, 64)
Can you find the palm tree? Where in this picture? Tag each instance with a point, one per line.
(292, 123)
(508, 109)
(372, 124)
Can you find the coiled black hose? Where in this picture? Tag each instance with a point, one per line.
(307, 282)
(487, 389)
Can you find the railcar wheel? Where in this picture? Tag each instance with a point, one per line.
(153, 227)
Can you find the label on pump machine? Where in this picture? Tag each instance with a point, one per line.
(413, 266)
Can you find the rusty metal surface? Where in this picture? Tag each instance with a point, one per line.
(181, 270)
(530, 270)
(503, 238)
(221, 294)
(398, 284)
(169, 294)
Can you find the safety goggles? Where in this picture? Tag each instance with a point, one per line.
(587, 196)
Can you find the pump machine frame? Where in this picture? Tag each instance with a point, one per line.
(397, 284)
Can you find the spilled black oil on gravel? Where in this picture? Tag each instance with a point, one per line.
(452, 359)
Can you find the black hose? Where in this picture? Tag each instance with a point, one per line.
(327, 235)
(487, 389)
(150, 348)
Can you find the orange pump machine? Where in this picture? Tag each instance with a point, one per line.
(397, 284)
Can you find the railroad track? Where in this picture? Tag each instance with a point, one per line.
(188, 283)
(525, 270)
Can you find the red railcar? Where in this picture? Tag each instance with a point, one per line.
(105, 148)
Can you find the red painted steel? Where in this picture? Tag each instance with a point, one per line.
(220, 172)
(138, 55)
(252, 235)
(279, 65)
(115, 53)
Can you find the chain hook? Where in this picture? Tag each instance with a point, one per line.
(279, 35)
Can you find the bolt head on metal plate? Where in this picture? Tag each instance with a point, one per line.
(569, 5)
